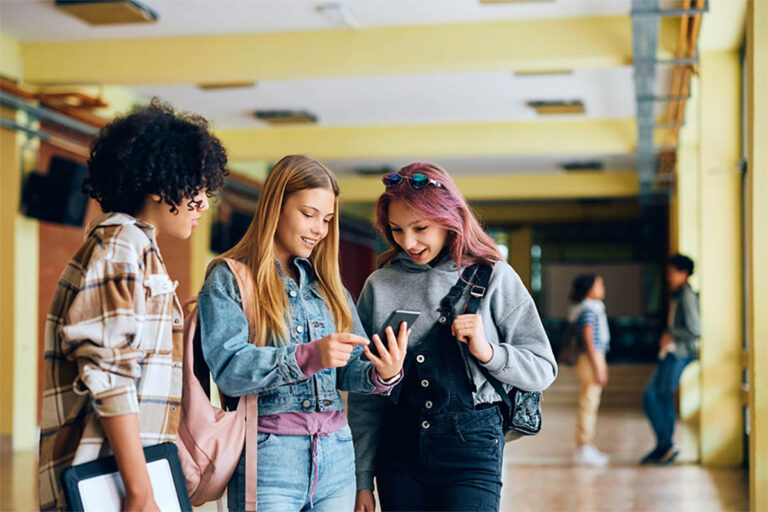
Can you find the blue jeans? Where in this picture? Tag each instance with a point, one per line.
(659, 398)
(286, 474)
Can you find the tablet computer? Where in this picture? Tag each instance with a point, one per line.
(96, 486)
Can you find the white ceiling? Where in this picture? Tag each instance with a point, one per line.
(497, 96)
(412, 99)
(40, 20)
(433, 98)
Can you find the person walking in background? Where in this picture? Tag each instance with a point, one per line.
(113, 336)
(677, 348)
(587, 314)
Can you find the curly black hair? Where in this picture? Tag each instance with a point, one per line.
(154, 150)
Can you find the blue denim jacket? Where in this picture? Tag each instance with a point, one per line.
(240, 368)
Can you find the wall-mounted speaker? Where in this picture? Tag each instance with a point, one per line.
(58, 195)
(225, 233)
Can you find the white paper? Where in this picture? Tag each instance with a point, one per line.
(105, 493)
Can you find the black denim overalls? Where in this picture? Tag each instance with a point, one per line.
(438, 451)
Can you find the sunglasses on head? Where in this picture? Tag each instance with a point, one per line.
(417, 181)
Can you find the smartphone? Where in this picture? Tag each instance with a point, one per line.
(394, 320)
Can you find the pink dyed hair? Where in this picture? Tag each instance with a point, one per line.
(467, 243)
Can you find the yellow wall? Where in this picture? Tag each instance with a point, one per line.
(519, 243)
(687, 240)
(707, 210)
(10, 56)
(8, 181)
(757, 247)
(18, 285)
(720, 259)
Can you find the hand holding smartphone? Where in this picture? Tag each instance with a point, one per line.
(394, 320)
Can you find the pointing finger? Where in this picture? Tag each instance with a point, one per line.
(352, 339)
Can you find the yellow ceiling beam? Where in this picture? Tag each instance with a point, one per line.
(568, 212)
(10, 56)
(560, 185)
(538, 212)
(522, 45)
(603, 136)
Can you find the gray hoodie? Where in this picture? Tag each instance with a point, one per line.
(684, 321)
(522, 356)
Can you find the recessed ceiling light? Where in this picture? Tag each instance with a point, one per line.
(587, 165)
(512, 1)
(285, 116)
(213, 86)
(557, 107)
(108, 12)
(543, 72)
(339, 14)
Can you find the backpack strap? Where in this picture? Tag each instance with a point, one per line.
(248, 406)
(245, 283)
(476, 294)
(479, 287)
(251, 442)
(448, 303)
(454, 294)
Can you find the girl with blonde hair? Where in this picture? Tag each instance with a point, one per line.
(307, 344)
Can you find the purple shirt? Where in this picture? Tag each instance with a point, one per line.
(314, 423)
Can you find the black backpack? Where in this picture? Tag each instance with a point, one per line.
(570, 346)
(520, 409)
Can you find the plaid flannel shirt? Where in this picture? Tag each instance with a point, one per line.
(113, 346)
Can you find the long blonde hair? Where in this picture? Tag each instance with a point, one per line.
(257, 250)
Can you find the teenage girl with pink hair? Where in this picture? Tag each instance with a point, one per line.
(436, 442)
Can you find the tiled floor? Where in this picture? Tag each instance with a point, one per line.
(538, 475)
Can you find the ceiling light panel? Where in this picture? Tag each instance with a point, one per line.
(108, 12)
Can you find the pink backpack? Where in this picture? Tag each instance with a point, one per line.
(210, 440)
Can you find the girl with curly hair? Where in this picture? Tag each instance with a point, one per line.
(436, 442)
(113, 347)
(307, 344)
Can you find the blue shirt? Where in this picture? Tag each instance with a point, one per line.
(597, 319)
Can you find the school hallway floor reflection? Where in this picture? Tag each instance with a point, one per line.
(538, 475)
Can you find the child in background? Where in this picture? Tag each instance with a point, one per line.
(591, 325)
(677, 348)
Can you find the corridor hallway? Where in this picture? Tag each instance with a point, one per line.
(538, 474)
